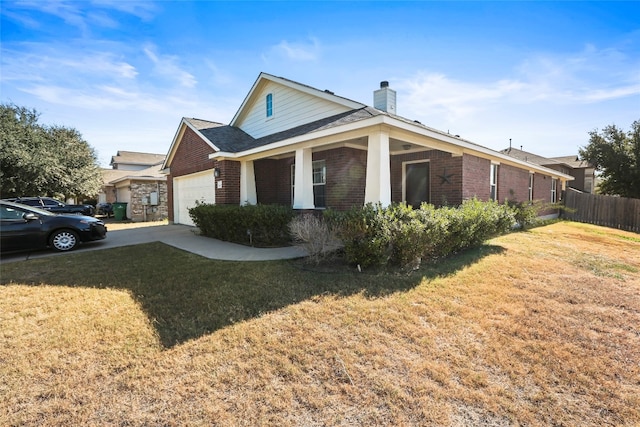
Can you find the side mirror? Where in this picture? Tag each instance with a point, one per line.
(30, 216)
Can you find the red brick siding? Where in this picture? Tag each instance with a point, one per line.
(192, 155)
(229, 194)
(346, 177)
(513, 184)
(441, 192)
(475, 177)
(268, 176)
(346, 169)
(273, 181)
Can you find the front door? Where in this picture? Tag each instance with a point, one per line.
(417, 184)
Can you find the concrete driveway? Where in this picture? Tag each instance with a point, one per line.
(179, 236)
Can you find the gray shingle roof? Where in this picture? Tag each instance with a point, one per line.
(136, 158)
(233, 140)
(528, 157)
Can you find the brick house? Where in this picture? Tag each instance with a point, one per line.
(136, 179)
(296, 145)
(584, 178)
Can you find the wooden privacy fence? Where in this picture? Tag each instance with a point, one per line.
(608, 211)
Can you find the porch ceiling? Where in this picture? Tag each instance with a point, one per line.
(396, 147)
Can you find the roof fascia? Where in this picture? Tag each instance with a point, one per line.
(138, 178)
(178, 137)
(445, 142)
(300, 87)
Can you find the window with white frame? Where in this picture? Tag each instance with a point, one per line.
(269, 104)
(493, 182)
(531, 187)
(554, 190)
(319, 183)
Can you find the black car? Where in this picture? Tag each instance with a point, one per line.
(105, 209)
(55, 206)
(25, 227)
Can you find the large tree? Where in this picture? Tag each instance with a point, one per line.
(40, 160)
(616, 154)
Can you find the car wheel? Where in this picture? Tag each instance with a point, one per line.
(63, 240)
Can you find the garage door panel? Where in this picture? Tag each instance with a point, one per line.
(189, 189)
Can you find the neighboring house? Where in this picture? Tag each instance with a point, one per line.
(134, 161)
(296, 145)
(136, 179)
(582, 172)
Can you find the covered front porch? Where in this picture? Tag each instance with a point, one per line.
(376, 164)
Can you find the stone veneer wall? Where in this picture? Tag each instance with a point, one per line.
(141, 189)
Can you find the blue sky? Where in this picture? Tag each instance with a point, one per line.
(125, 72)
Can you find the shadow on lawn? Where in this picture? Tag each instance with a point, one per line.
(186, 296)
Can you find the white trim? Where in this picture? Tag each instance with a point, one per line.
(398, 129)
(177, 138)
(263, 77)
(248, 193)
(378, 174)
(303, 191)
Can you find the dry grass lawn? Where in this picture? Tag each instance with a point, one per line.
(536, 328)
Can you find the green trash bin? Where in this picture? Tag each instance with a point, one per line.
(120, 211)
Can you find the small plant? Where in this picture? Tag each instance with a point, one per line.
(315, 236)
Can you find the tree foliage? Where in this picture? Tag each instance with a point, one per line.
(40, 160)
(616, 155)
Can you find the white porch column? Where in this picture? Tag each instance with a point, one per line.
(303, 189)
(378, 183)
(247, 183)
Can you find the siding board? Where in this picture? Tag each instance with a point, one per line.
(291, 108)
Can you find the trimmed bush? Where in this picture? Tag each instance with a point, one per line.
(256, 225)
(364, 234)
(401, 236)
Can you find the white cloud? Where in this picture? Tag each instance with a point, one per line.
(79, 14)
(35, 62)
(294, 51)
(166, 66)
(589, 76)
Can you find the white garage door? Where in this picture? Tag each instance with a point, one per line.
(189, 188)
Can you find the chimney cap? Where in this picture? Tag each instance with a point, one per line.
(384, 84)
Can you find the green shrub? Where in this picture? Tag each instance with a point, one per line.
(258, 225)
(526, 213)
(364, 235)
(402, 236)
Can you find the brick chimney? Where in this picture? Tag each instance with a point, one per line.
(385, 98)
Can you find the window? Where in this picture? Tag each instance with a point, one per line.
(270, 105)
(554, 190)
(531, 187)
(588, 183)
(493, 182)
(319, 183)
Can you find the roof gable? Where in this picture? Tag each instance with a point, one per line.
(136, 158)
(294, 104)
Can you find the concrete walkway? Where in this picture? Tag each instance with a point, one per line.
(179, 236)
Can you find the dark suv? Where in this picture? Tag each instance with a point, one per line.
(54, 205)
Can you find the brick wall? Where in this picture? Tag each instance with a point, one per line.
(513, 183)
(229, 194)
(475, 177)
(192, 155)
(441, 164)
(346, 177)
